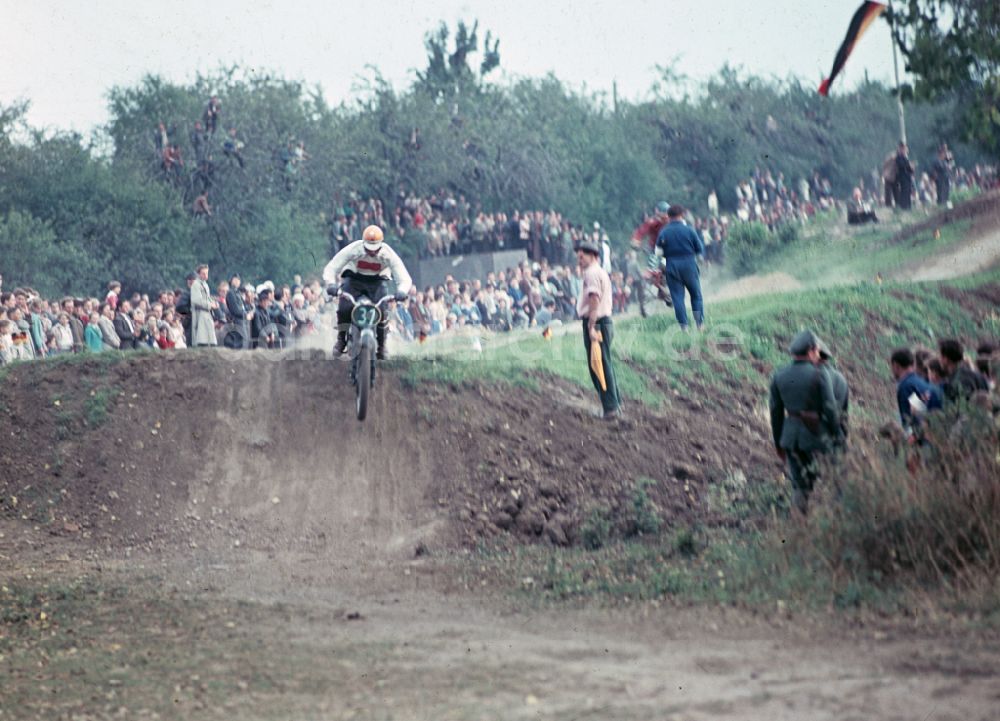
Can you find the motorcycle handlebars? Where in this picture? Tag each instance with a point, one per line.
(379, 303)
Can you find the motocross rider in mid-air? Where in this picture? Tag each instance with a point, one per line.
(648, 232)
(362, 268)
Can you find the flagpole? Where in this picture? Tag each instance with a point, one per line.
(895, 65)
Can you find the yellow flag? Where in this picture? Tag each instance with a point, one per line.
(596, 361)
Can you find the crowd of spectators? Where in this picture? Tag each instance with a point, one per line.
(527, 295)
(237, 316)
(447, 224)
(927, 382)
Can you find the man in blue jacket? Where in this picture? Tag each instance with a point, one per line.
(679, 244)
(914, 395)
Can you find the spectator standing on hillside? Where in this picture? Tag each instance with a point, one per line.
(594, 308)
(960, 380)
(8, 350)
(904, 178)
(124, 327)
(804, 418)
(220, 313)
(63, 335)
(183, 308)
(237, 311)
(72, 308)
(114, 290)
(93, 335)
(37, 328)
(914, 395)
(841, 393)
(889, 180)
(202, 305)
(941, 171)
(680, 245)
(263, 332)
(606, 259)
(106, 323)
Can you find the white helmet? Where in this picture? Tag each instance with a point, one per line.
(373, 238)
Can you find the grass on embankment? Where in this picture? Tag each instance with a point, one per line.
(895, 542)
(832, 256)
(862, 323)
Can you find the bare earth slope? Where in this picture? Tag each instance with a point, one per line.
(217, 447)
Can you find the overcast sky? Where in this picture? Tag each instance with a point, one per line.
(65, 55)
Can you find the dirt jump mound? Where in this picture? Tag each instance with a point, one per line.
(224, 448)
(212, 448)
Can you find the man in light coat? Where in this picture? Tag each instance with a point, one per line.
(108, 335)
(202, 305)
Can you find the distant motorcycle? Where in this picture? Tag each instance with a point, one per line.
(651, 285)
(361, 343)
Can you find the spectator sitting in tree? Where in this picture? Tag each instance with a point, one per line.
(160, 137)
(201, 206)
(198, 142)
(233, 147)
(211, 115)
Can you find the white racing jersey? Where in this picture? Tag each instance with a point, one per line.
(385, 264)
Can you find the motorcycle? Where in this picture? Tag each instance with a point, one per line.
(651, 285)
(362, 343)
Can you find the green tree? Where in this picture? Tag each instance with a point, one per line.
(32, 256)
(450, 72)
(953, 49)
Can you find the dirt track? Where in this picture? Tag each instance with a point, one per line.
(229, 543)
(979, 252)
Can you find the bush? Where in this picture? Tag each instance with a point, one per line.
(595, 531)
(747, 245)
(638, 516)
(925, 519)
(642, 517)
(788, 233)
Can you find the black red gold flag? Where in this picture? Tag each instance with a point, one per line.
(861, 21)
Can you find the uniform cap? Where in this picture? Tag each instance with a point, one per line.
(588, 246)
(824, 349)
(802, 342)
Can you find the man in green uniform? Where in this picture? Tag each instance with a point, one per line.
(804, 418)
(840, 394)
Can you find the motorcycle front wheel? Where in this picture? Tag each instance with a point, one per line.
(363, 380)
